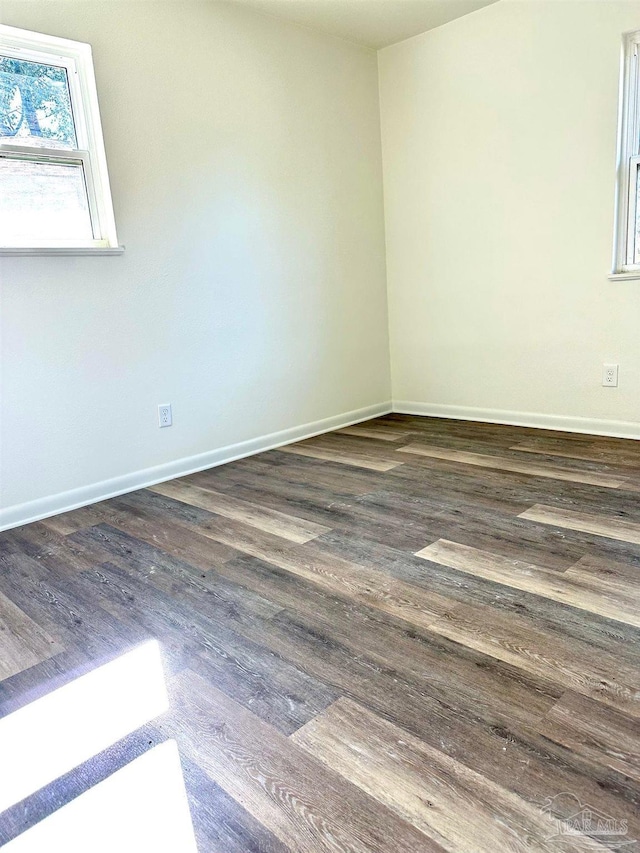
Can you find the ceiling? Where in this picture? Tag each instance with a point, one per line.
(374, 23)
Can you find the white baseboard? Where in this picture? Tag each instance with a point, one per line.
(24, 513)
(562, 423)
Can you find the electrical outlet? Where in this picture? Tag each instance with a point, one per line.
(610, 375)
(164, 415)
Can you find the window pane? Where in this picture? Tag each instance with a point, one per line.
(42, 202)
(35, 105)
(636, 247)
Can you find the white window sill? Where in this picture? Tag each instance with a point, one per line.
(63, 250)
(624, 276)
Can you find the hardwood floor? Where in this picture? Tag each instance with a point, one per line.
(408, 635)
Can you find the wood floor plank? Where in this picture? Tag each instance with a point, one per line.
(22, 642)
(221, 824)
(275, 468)
(274, 689)
(631, 486)
(174, 539)
(587, 451)
(441, 797)
(472, 489)
(623, 575)
(306, 806)
(305, 493)
(617, 583)
(271, 521)
(362, 585)
(500, 749)
(428, 665)
(381, 433)
(73, 620)
(506, 464)
(488, 531)
(570, 663)
(597, 525)
(48, 547)
(557, 619)
(574, 588)
(596, 732)
(127, 514)
(344, 457)
(244, 538)
(77, 519)
(169, 573)
(305, 470)
(235, 535)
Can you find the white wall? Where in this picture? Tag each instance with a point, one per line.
(499, 145)
(244, 156)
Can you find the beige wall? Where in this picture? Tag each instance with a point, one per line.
(244, 156)
(499, 144)
(245, 162)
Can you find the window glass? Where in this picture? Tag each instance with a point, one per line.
(42, 202)
(35, 104)
(636, 252)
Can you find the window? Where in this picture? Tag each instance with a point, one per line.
(627, 230)
(54, 184)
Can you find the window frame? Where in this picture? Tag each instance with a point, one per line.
(77, 59)
(628, 160)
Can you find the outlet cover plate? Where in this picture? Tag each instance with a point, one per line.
(610, 375)
(165, 418)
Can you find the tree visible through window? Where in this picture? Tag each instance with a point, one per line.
(54, 189)
(35, 103)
